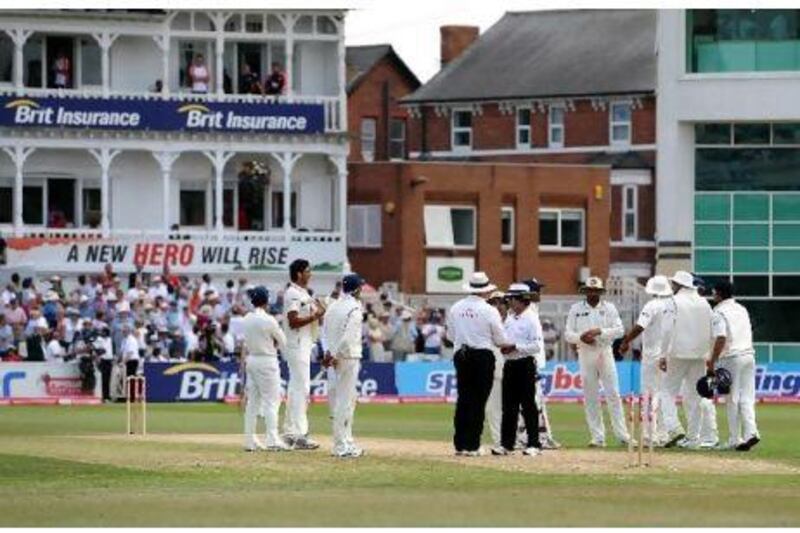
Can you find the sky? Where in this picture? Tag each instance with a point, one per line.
(414, 33)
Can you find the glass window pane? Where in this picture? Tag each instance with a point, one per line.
(621, 133)
(303, 24)
(91, 68)
(32, 60)
(711, 260)
(548, 229)
(571, 229)
(91, 208)
(751, 207)
(750, 260)
(630, 225)
(751, 235)
(6, 205)
(760, 169)
(274, 24)
(463, 226)
(193, 208)
(374, 225)
(523, 117)
(786, 354)
(325, 25)
(557, 135)
(621, 112)
(774, 320)
(786, 261)
(506, 229)
(712, 134)
(786, 134)
(786, 235)
(751, 134)
(751, 285)
(523, 136)
(462, 119)
(712, 207)
(712, 234)
(397, 129)
(786, 286)
(786, 207)
(33, 205)
(556, 115)
(6, 58)
(462, 138)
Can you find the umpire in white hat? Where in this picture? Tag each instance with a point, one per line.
(475, 328)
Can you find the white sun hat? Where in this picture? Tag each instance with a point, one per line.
(479, 284)
(683, 278)
(593, 283)
(658, 286)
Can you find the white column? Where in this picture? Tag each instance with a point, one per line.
(162, 41)
(340, 124)
(288, 24)
(340, 163)
(287, 161)
(165, 161)
(218, 159)
(19, 37)
(105, 40)
(104, 157)
(18, 155)
(219, 64)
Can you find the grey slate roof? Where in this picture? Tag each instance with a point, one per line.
(361, 59)
(552, 54)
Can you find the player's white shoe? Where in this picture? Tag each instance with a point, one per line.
(708, 445)
(348, 451)
(549, 443)
(532, 452)
(499, 450)
(474, 453)
(597, 444)
(279, 446)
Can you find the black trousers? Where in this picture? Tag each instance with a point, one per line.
(474, 375)
(519, 391)
(105, 377)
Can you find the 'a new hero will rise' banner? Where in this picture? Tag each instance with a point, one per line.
(161, 115)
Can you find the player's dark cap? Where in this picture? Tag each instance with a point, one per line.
(533, 284)
(351, 283)
(259, 296)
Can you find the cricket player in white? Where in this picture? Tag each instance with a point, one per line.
(654, 324)
(263, 338)
(494, 405)
(302, 317)
(593, 325)
(342, 336)
(733, 350)
(686, 360)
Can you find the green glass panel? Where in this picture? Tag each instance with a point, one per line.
(786, 133)
(786, 235)
(751, 235)
(750, 260)
(786, 207)
(751, 134)
(751, 207)
(712, 207)
(747, 169)
(712, 234)
(711, 261)
(737, 56)
(776, 55)
(774, 320)
(786, 260)
(785, 353)
(762, 353)
(712, 134)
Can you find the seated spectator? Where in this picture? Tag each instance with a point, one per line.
(248, 81)
(276, 81)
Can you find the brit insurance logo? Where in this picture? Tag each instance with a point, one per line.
(203, 382)
(29, 112)
(202, 117)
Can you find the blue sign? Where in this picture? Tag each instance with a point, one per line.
(161, 115)
(208, 382)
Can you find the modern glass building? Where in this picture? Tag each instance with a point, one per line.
(728, 202)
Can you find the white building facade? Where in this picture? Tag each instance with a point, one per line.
(728, 160)
(111, 154)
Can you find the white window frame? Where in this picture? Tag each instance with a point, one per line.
(451, 244)
(612, 123)
(454, 130)
(633, 210)
(551, 126)
(363, 211)
(399, 140)
(523, 127)
(508, 246)
(368, 155)
(559, 211)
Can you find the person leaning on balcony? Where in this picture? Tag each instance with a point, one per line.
(62, 71)
(199, 76)
(276, 81)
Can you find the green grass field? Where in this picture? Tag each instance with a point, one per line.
(71, 466)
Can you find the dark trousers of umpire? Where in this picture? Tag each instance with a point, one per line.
(519, 392)
(105, 377)
(474, 376)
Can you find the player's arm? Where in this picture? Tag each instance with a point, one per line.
(720, 334)
(296, 321)
(530, 345)
(352, 328)
(571, 335)
(277, 335)
(499, 336)
(641, 323)
(614, 328)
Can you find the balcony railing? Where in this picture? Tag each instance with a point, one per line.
(227, 235)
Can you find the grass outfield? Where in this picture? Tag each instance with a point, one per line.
(70, 466)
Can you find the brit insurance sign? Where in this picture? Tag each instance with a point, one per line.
(161, 115)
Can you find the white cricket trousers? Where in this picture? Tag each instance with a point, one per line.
(263, 389)
(653, 379)
(296, 421)
(678, 371)
(494, 405)
(598, 368)
(740, 404)
(344, 403)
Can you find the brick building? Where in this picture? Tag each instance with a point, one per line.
(446, 219)
(376, 81)
(553, 87)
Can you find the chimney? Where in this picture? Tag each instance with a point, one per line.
(456, 39)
